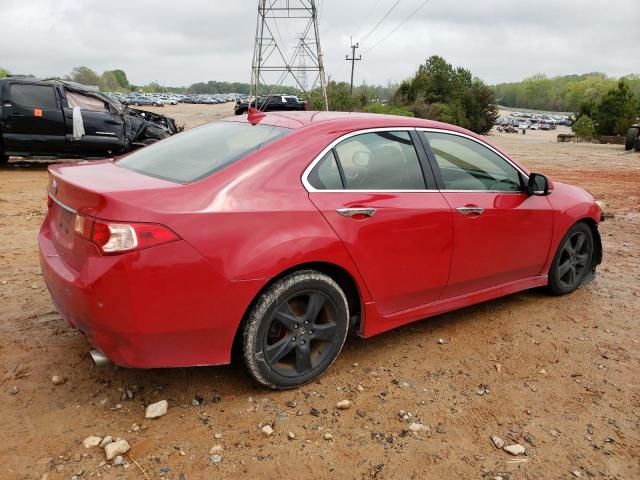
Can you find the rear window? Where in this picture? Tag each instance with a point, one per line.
(28, 95)
(197, 153)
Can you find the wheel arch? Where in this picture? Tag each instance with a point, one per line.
(337, 273)
(597, 240)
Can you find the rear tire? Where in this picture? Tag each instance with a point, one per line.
(638, 144)
(573, 260)
(295, 330)
(4, 160)
(632, 137)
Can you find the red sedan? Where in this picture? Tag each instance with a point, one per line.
(279, 233)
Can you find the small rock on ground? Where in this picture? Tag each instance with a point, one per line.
(267, 430)
(497, 441)
(106, 441)
(58, 380)
(14, 390)
(417, 427)
(515, 449)
(343, 404)
(91, 442)
(215, 458)
(157, 409)
(116, 448)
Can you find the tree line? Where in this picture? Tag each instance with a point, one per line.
(560, 94)
(117, 81)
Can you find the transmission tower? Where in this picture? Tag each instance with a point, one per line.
(269, 53)
(302, 65)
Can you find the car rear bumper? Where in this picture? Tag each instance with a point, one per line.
(161, 307)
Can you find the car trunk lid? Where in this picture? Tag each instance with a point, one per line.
(95, 190)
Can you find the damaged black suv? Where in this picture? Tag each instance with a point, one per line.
(56, 118)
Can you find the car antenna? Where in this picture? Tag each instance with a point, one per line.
(254, 115)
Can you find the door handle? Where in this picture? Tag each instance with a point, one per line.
(352, 212)
(470, 210)
(13, 114)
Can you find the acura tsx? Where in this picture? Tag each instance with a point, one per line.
(273, 235)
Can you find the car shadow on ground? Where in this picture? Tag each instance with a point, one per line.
(230, 381)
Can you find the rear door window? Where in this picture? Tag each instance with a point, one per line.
(326, 174)
(380, 161)
(198, 153)
(36, 96)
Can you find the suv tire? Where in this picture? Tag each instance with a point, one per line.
(632, 137)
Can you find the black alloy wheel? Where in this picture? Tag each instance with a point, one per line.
(573, 260)
(296, 330)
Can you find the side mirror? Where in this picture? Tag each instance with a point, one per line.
(538, 185)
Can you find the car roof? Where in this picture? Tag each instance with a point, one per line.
(341, 120)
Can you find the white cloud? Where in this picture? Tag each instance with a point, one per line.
(179, 43)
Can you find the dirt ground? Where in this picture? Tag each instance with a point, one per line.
(560, 376)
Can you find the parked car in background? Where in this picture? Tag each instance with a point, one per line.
(272, 103)
(37, 119)
(138, 100)
(278, 233)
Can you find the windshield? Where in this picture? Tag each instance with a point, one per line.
(197, 153)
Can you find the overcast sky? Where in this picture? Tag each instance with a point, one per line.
(179, 43)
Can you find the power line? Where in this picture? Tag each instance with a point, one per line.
(375, 5)
(397, 27)
(381, 20)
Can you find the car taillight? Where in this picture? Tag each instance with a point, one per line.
(113, 238)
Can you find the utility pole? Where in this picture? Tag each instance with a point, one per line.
(353, 61)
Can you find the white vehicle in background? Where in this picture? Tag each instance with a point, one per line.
(523, 124)
(157, 100)
(167, 99)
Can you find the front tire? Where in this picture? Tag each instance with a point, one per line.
(632, 137)
(295, 330)
(573, 260)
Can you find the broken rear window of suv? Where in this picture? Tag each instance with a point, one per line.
(200, 152)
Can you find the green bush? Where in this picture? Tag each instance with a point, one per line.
(439, 91)
(617, 111)
(583, 128)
